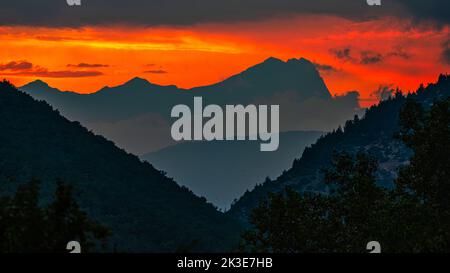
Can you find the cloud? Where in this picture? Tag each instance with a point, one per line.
(399, 52)
(314, 113)
(15, 66)
(437, 11)
(343, 54)
(44, 73)
(446, 53)
(23, 68)
(159, 71)
(364, 57)
(181, 12)
(153, 69)
(325, 67)
(370, 57)
(383, 92)
(86, 65)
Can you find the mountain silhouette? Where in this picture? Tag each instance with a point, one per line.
(40, 86)
(117, 112)
(374, 133)
(263, 80)
(223, 171)
(145, 210)
(270, 77)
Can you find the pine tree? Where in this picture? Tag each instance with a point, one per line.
(27, 227)
(413, 217)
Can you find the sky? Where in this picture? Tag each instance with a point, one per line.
(197, 42)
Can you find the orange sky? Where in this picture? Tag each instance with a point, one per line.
(399, 55)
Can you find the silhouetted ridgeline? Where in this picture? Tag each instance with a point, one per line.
(123, 113)
(145, 210)
(374, 134)
(223, 170)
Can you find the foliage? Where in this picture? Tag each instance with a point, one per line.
(26, 227)
(373, 133)
(145, 210)
(414, 216)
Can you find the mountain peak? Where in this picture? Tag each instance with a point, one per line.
(136, 83)
(276, 61)
(37, 84)
(272, 60)
(39, 87)
(295, 75)
(300, 65)
(137, 80)
(300, 61)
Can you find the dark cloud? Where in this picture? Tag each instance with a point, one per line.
(365, 57)
(159, 71)
(437, 11)
(15, 66)
(370, 57)
(86, 65)
(325, 67)
(44, 73)
(383, 92)
(188, 12)
(65, 74)
(23, 68)
(343, 54)
(399, 52)
(446, 53)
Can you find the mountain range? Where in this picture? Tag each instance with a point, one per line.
(136, 114)
(223, 171)
(136, 117)
(374, 133)
(145, 210)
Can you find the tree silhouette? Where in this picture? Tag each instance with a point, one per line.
(140, 204)
(342, 222)
(423, 185)
(412, 217)
(26, 227)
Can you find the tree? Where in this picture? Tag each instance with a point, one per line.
(344, 221)
(358, 206)
(22, 221)
(27, 227)
(424, 184)
(287, 223)
(413, 217)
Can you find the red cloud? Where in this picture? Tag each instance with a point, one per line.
(15, 66)
(155, 72)
(23, 68)
(86, 65)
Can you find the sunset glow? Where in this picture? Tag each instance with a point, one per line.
(350, 55)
